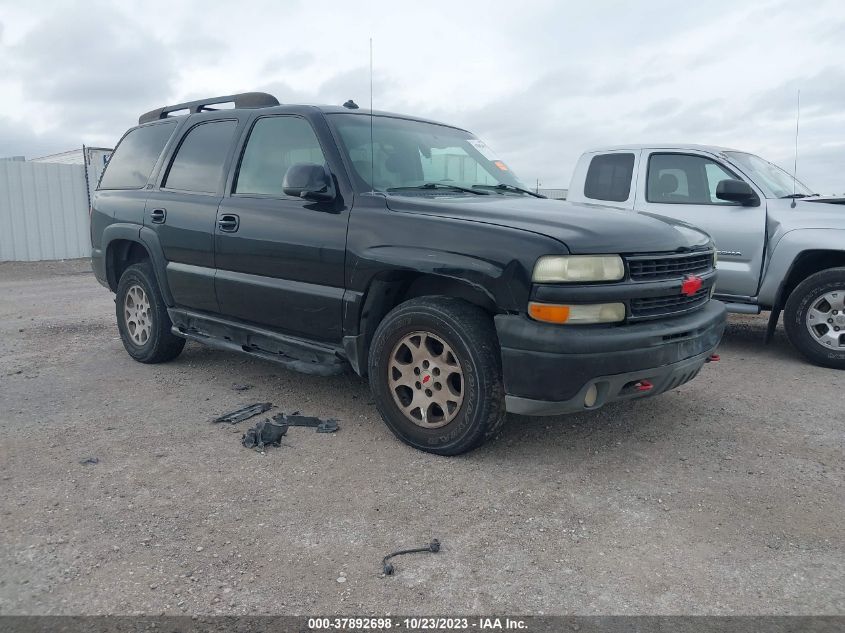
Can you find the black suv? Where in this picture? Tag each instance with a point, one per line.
(327, 237)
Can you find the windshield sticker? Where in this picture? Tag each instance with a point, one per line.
(482, 148)
(500, 165)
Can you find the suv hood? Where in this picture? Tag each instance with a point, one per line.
(583, 228)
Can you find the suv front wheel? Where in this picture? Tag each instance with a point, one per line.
(435, 372)
(814, 318)
(142, 317)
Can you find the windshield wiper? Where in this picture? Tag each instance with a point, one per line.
(440, 185)
(505, 187)
(793, 196)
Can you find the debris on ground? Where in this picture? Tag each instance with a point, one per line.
(265, 433)
(239, 387)
(244, 413)
(294, 419)
(89, 461)
(388, 569)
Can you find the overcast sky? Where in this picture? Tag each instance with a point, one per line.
(540, 81)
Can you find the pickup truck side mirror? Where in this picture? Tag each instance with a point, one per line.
(736, 191)
(309, 181)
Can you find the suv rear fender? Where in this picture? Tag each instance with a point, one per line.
(117, 249)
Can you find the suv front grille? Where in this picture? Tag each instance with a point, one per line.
(654, 307)
(652, 268)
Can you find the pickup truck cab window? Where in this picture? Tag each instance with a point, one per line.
(276, 143)
(609, 177)
(684, 179)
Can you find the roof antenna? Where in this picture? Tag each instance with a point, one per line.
(372, 145)
(795, 164)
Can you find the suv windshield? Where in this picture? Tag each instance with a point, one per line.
(774, 181)
(401, 155)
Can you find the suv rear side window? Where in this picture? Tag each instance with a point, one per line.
(132, 162)
(198, 164)
(609, 177)
(275, 144)
(684, 179)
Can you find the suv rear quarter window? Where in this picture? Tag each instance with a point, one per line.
(198, 164)
(132, 162)
(609, 177)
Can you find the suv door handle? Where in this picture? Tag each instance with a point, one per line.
(228, 223)
(158, 216)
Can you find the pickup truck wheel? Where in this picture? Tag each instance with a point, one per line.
(142, 317)
(435, 372)
(815, 318)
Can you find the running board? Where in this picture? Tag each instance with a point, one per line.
(742, 308)
(297, 354)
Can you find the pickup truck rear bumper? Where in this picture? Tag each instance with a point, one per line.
(551, 369)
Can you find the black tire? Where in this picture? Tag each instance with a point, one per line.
(160, 344)
(470, 334)
(805, 296)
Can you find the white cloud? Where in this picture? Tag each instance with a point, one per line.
(541, 81)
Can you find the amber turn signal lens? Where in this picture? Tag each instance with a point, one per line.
(577, 314)
(548, 312)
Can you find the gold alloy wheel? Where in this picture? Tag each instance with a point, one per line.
(426, 380)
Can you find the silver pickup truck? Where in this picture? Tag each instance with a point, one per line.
(781, 247)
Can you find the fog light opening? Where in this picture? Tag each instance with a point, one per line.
(591, 396)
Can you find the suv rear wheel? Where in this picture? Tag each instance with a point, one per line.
(142, 317)
(815, 318)
(435, 372)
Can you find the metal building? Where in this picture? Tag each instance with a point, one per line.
(44, 205)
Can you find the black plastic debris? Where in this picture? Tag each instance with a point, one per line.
(265, 433)
(244, 413)
(311, 422)
(388, 569)
(89, 461)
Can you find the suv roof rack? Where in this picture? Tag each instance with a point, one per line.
(242, 100)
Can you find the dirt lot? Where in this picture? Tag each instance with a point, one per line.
(724, 496)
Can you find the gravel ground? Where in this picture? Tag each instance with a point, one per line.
(722, 497)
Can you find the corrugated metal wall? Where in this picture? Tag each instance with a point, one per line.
(43, 211)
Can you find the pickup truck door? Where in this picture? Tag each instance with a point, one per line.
(682, 185)
(280, 259)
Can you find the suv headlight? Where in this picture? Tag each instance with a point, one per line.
(574, 268)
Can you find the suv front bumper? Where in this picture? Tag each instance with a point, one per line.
(549, 369)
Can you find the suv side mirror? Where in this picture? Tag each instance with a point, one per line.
(309, 181)
(736, 191)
